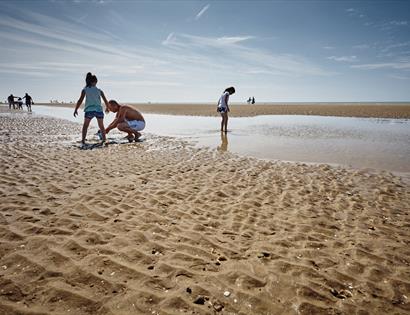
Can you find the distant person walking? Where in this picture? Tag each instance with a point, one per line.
(10, 100)
(223, 107)
(93, 106)
(29, 102)
(253, 100)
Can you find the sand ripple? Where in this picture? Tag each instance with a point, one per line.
(161, 228)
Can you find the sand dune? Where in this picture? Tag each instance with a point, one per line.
(162, 228)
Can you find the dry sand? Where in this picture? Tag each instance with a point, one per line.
(345, 110)
(162, 228)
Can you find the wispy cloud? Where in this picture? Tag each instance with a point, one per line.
(228, 40)
(355, 13)
(240, 58)
(223, 41)
(395, 46)
(168, 40)
(185, 40)
(361, 46)
(399, 23)
(343, 58)
(65, 37)
(53, 33)
(179, 57)
(98, 2)
(387, 65)
(398, 77)
(139, 83)
(202, 12)
(328, 47)
(26, 73)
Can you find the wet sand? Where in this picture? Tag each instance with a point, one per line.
(160, 227)
(381, 110)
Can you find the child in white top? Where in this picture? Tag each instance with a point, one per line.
(223, 107)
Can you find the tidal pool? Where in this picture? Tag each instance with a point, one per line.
(357, 142)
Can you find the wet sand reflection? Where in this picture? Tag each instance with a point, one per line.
(224, 142)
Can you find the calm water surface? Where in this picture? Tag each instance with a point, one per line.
(357, 142)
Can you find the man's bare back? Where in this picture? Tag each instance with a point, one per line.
(128, 113)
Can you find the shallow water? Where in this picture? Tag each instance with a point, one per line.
(357, 142)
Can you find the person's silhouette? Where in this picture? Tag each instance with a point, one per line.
(11, 101)
(29, 101)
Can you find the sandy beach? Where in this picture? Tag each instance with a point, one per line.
(160, 227)
(378, 110)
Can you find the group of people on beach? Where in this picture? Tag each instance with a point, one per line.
(127, 118)
(16, 102)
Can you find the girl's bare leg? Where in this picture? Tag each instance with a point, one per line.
(102, 129)
(85, 128)
(222, 122)
(226, 122)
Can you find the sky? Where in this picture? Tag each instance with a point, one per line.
(190, 51)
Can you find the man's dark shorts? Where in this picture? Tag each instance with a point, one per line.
(92, 114)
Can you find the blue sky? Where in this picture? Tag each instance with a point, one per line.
(189, 51)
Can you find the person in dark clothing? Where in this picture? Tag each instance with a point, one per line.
(19, 103)
(29, 101)
(10, 99)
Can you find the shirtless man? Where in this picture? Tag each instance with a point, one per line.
(127, 119)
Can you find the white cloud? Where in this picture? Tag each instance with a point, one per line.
(399, 23)
(137, 83)
(375, 66)
(355, 13)
(203, 10)
(328, 47)
(186, 40)
(234, 56)
(169, 39)
(25, 73)
(226, 40)
(362, 46)
(58, 48)
(343, 58)
(56, 33)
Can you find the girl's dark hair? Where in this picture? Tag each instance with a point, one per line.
(89, 79)
(230, 89)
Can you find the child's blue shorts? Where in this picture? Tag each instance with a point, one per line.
(92, 114)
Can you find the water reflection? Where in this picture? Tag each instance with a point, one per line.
(224, 142)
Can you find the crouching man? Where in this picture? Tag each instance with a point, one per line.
(127, 119)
